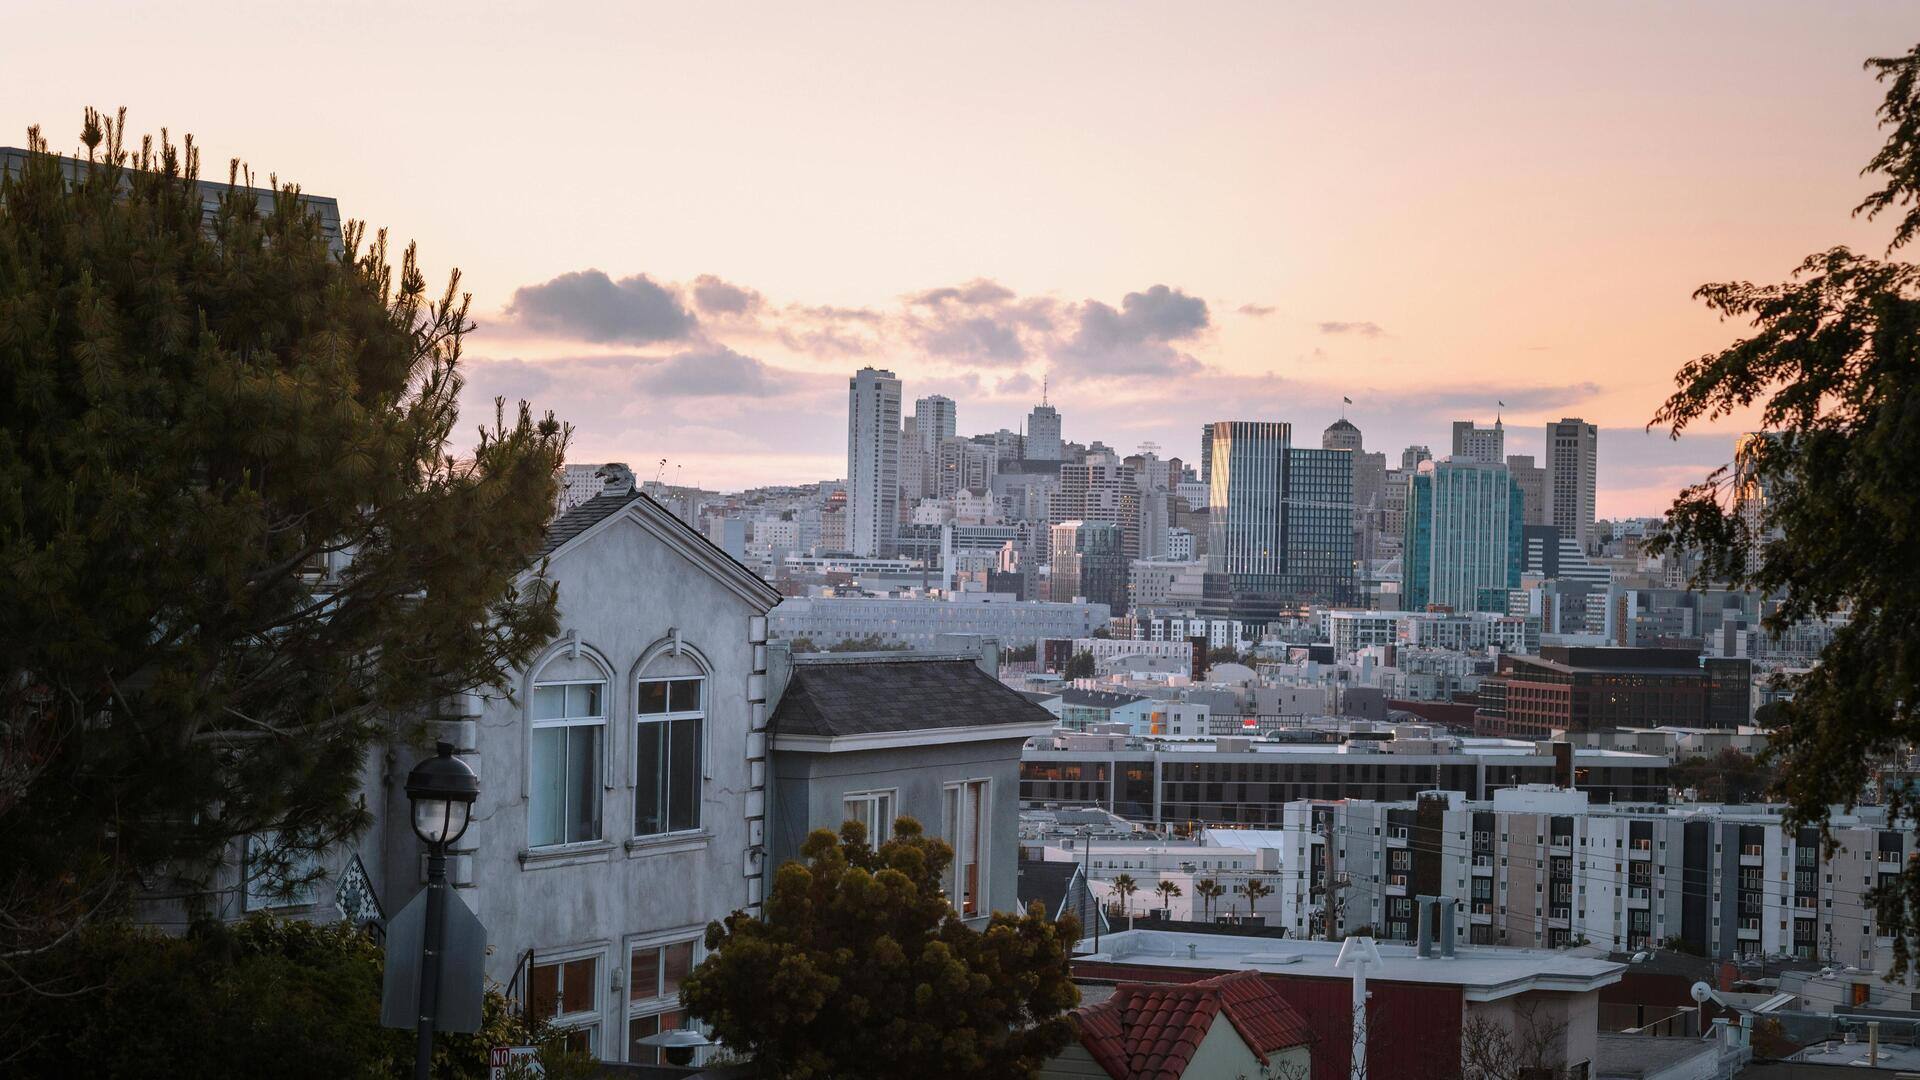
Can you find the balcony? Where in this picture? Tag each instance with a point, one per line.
(1560, 917)
(1397, 837)
(1890, 860)
(1752, 855)
(1639, 896)
(1396, 884)
(1749, 930)
(1565, 843)
(1483, 864)
(1641, 851)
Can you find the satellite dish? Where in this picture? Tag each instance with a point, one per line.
(1701, 992)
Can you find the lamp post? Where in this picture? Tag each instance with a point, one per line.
(442, 789)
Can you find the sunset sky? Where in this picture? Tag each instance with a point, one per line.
(685, 225)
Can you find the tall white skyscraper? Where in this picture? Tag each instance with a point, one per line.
(935, 418)
(873, 461)
(1573, 463)
(1043, 433)
(1485, 445)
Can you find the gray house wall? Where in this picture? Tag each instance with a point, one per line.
(809, 789)
(628, 592)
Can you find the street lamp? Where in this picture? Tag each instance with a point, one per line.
(442, 789)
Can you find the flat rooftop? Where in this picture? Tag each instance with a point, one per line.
(1633, 1057)
(1483, 972)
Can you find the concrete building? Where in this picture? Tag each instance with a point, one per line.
(1101, 489)
(1227, 781)
(933, 737)
(1573, 461)
(1043, 433)
(1462, 543)
(1089, 564)
(1488, 446)
(1162, 583)
(1531, 479)
(873, 461)
(920, 622)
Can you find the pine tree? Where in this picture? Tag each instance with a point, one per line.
(197, 409)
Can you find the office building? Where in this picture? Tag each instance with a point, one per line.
(1088, 564)
(1573, 454)
(1581, 689)
(1369, 484)
(1531, 479)
(1281, 523)
(1485, 445)
(1100, 488)
(1461, 547)
(1043, 433)
(873, 461)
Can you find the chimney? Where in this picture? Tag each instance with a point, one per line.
(616, 478)
(1446, 928)
(1424, 912)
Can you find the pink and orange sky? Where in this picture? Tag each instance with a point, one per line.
(684, 225)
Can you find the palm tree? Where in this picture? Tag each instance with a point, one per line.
(1208, 890)
(1124, 886)
(1167, 890)
(1253, 889)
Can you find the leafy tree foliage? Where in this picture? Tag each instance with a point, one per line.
(263, 997)
(196, 406)
(1729, 776)
(861, 969)
(1823, 514)
(1080, 666)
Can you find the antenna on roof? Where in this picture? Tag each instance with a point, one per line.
(1043, 387)
(661, 471)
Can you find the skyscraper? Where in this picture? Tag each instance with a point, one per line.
(1280, 526)
(934, 416)
(1101, 488)
(1369, 483)
(1043, 433)
(1573, 458)
(1462, 547)
(873, 461)
(1086, 561)
(1532, 480)
(1488, 445)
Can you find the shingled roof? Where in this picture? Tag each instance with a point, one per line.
(1150, 1031)
(867, 695)
(585, 516)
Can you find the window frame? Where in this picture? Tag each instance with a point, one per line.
(953, 812)
(702, 716)
(658, 1004)
(881, 829)
(591, 1020)
(535, 725)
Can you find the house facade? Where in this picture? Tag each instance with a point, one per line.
(622, 781)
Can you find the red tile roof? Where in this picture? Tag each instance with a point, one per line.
(1150, 1031)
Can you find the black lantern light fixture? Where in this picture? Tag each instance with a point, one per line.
(442, 789)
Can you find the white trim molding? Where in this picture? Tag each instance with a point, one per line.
(886, 740)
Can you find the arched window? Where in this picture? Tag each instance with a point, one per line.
(568, 764)
(670, 713)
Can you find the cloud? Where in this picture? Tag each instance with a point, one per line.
(981, 322)
(712, 372)
(976, 292)
(1363, 329)
(1256, 311)
(1017, 383)
(717, 297)
(1139, 337)
(587, 305)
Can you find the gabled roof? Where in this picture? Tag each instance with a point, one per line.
(590, 516)
(838, 697)
(1151, 1031)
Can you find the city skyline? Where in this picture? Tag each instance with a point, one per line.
(1261, 228)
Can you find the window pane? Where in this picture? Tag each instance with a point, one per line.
(639, 1028)
(643, 981)
(580, 1040)
(584, 699)
(676, 963)
(549, 702)
(683, 792)
(652, 697)
(583, 783)
(881, 830)
(576, 985)
(686, 695)
(649, 780)
(543, 990)
(547, 800)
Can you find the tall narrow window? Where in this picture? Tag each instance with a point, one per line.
(655, 973)
(569, 744)
(968, 817)
(666, 775)
(874, 809)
